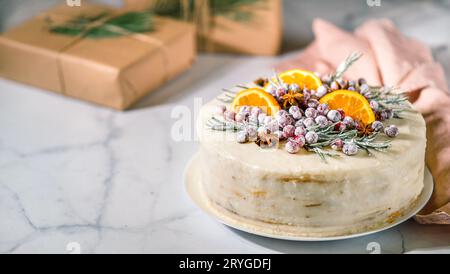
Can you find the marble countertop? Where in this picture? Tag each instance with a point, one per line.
(77, 175)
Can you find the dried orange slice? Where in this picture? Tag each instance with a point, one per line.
(303, 78)
(256, 97)
(352, 103)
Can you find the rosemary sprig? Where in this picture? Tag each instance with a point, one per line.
(327, 135)
(216, 124)
(323, 154)
(345, 65)
(368, 143)
(385, 101)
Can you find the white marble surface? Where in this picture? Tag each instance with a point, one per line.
(112, 181)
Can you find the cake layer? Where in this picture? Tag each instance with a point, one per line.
(344, 195)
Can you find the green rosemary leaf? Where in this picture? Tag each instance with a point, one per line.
(344, 66)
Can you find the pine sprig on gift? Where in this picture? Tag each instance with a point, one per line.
(231, 9)
(131, 22)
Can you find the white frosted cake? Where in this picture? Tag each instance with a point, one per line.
(340, 195)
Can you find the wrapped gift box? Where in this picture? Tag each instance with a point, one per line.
(113, 71)
(245, 27)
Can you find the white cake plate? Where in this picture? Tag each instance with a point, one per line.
(194, 187)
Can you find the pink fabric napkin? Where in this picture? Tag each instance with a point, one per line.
(392, 59)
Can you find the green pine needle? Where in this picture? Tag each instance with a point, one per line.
(131, 22)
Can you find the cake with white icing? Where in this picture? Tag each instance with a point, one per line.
(362, 183)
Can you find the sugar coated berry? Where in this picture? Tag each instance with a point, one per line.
(351, 83)
(281, 113)
(295, 112)
(342, 83)
(220, 109)
(292, 147)
(341, 112)
(309, 122)
(261, 118)
(323, 109)
(384, 114)
(299, 123)
(313, 103)
(280, 92)
(294, 87)
(253, 119)
(242, 136)
(335, 85)
(299, 140)
(306, 94)
(361, 81)
(351, 88)
(268, 120)
(273, 126)
(311, 112)
(340, 126)
(337, 144)
(239, 117)
(321, 91)
(256, 111)
(350, 148)
(391, 131)
(321, 120)
(300, 131)
(286, 120)
(252, 133)
(348, 122)
(377, 126)
(293, 109)
(374, 105)
(288, 131)
(311, 137)
(364, 88)
(334, 115)
(229, 115)
(297, 115)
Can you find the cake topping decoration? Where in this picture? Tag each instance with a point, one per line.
(301, 110)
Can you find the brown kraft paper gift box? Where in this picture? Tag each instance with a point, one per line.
(259, 35)
(113, 72)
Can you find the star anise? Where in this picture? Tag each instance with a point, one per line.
(365, 130)
(291, 99)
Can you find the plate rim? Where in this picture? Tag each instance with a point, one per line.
(422, 199)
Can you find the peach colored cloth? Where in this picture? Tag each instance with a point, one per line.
(392, 59)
